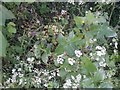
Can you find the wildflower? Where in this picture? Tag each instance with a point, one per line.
(71, 61)
(63, 12)
(30, 59)
(90, 8)
(102, 64)
(67, 84)
(78, 78)
(78, 53)
(60, 59)
(101, 50)
(116, 44)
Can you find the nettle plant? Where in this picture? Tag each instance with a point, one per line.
(82, 58)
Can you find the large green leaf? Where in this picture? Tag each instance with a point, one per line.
(5, 14)
(3, 45)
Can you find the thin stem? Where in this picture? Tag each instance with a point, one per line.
(112, 12)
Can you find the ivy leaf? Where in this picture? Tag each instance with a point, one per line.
(45, 57)
(3, 45)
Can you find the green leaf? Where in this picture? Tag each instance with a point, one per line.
(61, 39)
(99, 76)
(69, 49)
(88, 65)
(59, 50)
(5, 14)
(71, 35)
(104, 30)
(79, 21)
(45, 57)
(62, 72)
(87, 83)
(3, 45)
(90, 17)
(106, 85)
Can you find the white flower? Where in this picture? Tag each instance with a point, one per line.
(71, 61)
(102, 64)
(115, 51)
(99, 47)
(37, 21)
(116, 44)
(60, 59)
(13, 70)
(17, 57)
(90, 8)
(68, 84)
(63, 12)
(30, 59)
(78, 53)
(78, 78)
(19, 69)
(101, 50)
(21, 81)
(71, 1)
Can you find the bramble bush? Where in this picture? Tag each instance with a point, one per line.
(67, 51)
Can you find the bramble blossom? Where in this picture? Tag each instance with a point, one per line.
(60, 59)
(78, 53)
(71, 61)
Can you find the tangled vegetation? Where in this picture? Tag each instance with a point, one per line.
(60, 44)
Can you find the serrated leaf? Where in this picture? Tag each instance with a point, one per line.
(45, 57)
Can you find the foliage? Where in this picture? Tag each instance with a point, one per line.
(59, 49)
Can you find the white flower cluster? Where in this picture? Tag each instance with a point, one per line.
(60, 59)
(100, 50)
(71, 61)
(78, 53)
(116, 45)
(30, 59)
(73, 82)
